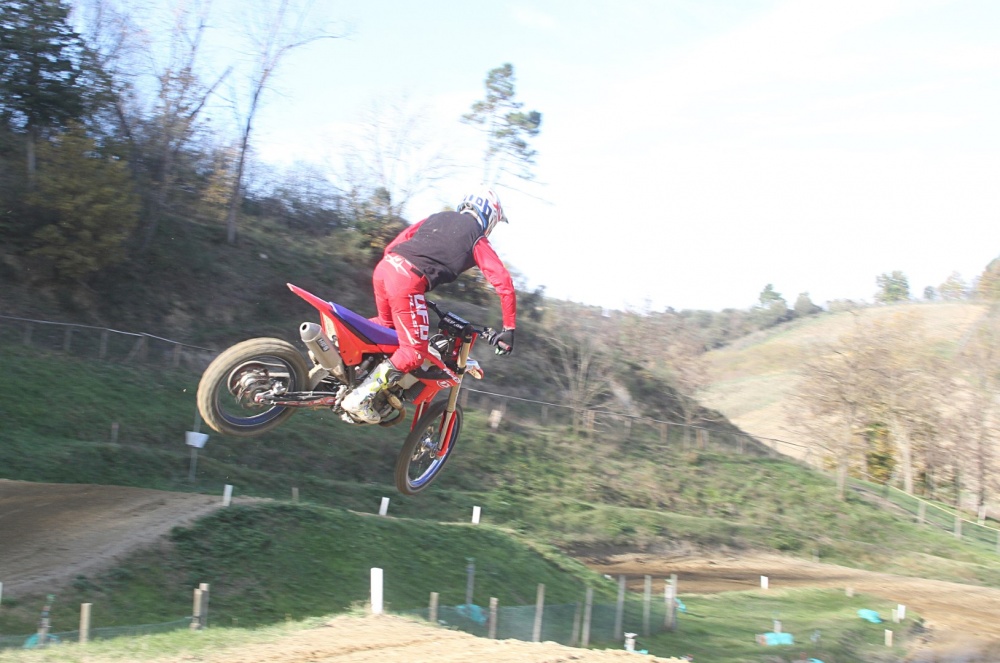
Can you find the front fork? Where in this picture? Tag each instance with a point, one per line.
(444, 441)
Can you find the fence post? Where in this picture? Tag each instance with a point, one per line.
(376, 590)
(958, 526)
(27, 334)
(494, 604)
(432, 610)
(102, 351)
(619, 609)
(664, 433)
(470, 579)
(575, 635)
(44, 624)
(670, 596)
(536, 632)
(588, 609)
(922, 512)
(175, 360)
(68, 340)
(647, 595)
(196, 610)
(84, 623)
(295, 494)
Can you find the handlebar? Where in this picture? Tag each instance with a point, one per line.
(488, 333)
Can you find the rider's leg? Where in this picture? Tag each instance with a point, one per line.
(404, 292)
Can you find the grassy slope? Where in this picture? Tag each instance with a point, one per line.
(606, 493)
(752, 379)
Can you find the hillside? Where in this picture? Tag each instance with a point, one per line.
(752, 379)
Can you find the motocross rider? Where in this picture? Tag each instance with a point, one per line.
(425, 255)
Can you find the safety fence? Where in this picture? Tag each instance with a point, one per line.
(926, 512)
(577, 624)
(102, 633)
(102, 343)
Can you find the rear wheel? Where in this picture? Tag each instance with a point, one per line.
(228, 387)
(418, 463)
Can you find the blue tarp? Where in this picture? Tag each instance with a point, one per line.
(870, 615)
(473, 612)
(778, 639)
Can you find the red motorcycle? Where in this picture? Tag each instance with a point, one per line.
(256, 385)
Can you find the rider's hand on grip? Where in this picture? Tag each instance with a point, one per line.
(503, 342)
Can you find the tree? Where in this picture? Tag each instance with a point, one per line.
(87, 201)
(771, 309)
(40, 70)
(830, 400)
(892, 288)
(989, 282)
(507, 128)
(278, 32)
(580, 363)
(180, 99)
(953, 288)
(804, 306)
(393, 155)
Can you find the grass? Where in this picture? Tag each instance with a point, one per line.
(824, 624)
(721, 628)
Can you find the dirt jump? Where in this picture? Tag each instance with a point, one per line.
(50, 533)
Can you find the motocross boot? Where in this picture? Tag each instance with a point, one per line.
(358, 403)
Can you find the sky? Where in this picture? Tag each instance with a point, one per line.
(691, 151)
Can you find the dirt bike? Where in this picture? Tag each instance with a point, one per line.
(254, 386)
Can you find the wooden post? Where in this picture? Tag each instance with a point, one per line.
(888, 638)
(114, 432)
(958, 526)
(27, 334)
(536, 632)
(68, 340)
(84, 623)
(196, 610)
(647, 596)
(102, 351)
(670, 596)
(664, 433)
(982, 514)
(470, 579)
(175, 359)
(588, 609)
(494, 605)
(204, 604)
(922, 512)
(295, 494)
(545, 414)
(575, 635)
(432, 610)
(619, 609)
(44, 623)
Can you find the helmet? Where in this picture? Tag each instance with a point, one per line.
(486, 207)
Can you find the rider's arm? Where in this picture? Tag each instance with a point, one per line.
(493, 269)
(402, 237)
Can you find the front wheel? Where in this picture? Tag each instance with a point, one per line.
(418, 463)
(228, 387)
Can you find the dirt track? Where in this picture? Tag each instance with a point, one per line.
(50, 533)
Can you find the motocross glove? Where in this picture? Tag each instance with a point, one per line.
(503, 342)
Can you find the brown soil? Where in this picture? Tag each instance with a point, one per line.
(50, 533)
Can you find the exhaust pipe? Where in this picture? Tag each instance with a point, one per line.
(322, 350)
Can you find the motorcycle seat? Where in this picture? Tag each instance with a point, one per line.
(369, 331)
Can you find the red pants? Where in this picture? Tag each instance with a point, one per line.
(399, 297)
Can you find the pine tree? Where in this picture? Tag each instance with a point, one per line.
(41, 60)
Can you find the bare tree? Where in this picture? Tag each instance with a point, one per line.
(976, 408)
(281, 29)
(395, 155)
(833, 398)
(581, 365)
(688, 368)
